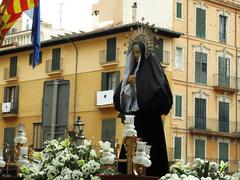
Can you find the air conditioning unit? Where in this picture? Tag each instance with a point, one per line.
(105, 97)
(6, 107)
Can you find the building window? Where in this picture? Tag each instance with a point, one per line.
(223, 152)
(111, 49)
(9, 134)
(200, 113)
(11, 96)
(37, 136)
(158, 50)
(177, 148)
(13, 67)
(110, 80)
(223, 116)
(223, 71)
(200, 23)
(179, 58)
(109, 130)
(222, 29)
(56, 57)
(179, 10)
(200, 148)
(200, 67)
(31, 58)
(178, 106)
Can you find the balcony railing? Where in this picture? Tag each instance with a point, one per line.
(104, 98)
(10, 76)
(54, 66)
(8, 109)
(214, 125)
(224, 82)
(103, 58)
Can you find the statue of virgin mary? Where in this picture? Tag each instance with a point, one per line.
(145, 92)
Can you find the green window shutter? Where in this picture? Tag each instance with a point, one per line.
(223, 152)
(178, 106)
(13, 66)
(56, 56)
(223, 117)
(16, 99)
(109, 130)
(5, 94)
(200, 23)
(200, 113)
(111, 49)
(178, 148)
(158, 50)
(117, 79)
(199, 148)
(200, 67)
(204, 68)
(104, 82)
(31, 58)
(197, 67)
(9, 134)
(179, 10)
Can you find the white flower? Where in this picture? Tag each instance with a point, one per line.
(93, 154)
(87, 143)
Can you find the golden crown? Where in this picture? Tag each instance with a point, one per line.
(144, 34)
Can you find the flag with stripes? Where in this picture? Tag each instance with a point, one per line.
(10, 11)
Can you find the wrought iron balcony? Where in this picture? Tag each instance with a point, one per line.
(223, 82)
(54, 66)
(212, 126)
(103, 60)
(10, 75)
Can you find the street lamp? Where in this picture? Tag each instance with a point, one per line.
(78, 128)
(20, 151)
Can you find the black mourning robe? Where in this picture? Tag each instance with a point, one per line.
(154, 98)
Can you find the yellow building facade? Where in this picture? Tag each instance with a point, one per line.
(206, 81)
(83, 63)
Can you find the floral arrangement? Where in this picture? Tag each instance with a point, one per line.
(200, 169)
(62, 160)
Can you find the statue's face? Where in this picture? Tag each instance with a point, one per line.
(136, 53)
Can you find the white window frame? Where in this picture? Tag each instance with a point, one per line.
(182, 59)
(179, 136)
(194, 145)
(204, 7)
(202, 49)
(227, 14)
(177, 18)
(174, 101)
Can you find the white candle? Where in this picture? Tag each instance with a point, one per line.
(24, 151)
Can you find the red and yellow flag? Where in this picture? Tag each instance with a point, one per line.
(10, 11)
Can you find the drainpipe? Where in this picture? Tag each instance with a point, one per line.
(236, 98)
(75, 81)
(187, 64)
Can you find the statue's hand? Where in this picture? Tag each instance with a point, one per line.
(131, 79)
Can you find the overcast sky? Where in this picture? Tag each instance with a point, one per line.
(76, 14)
